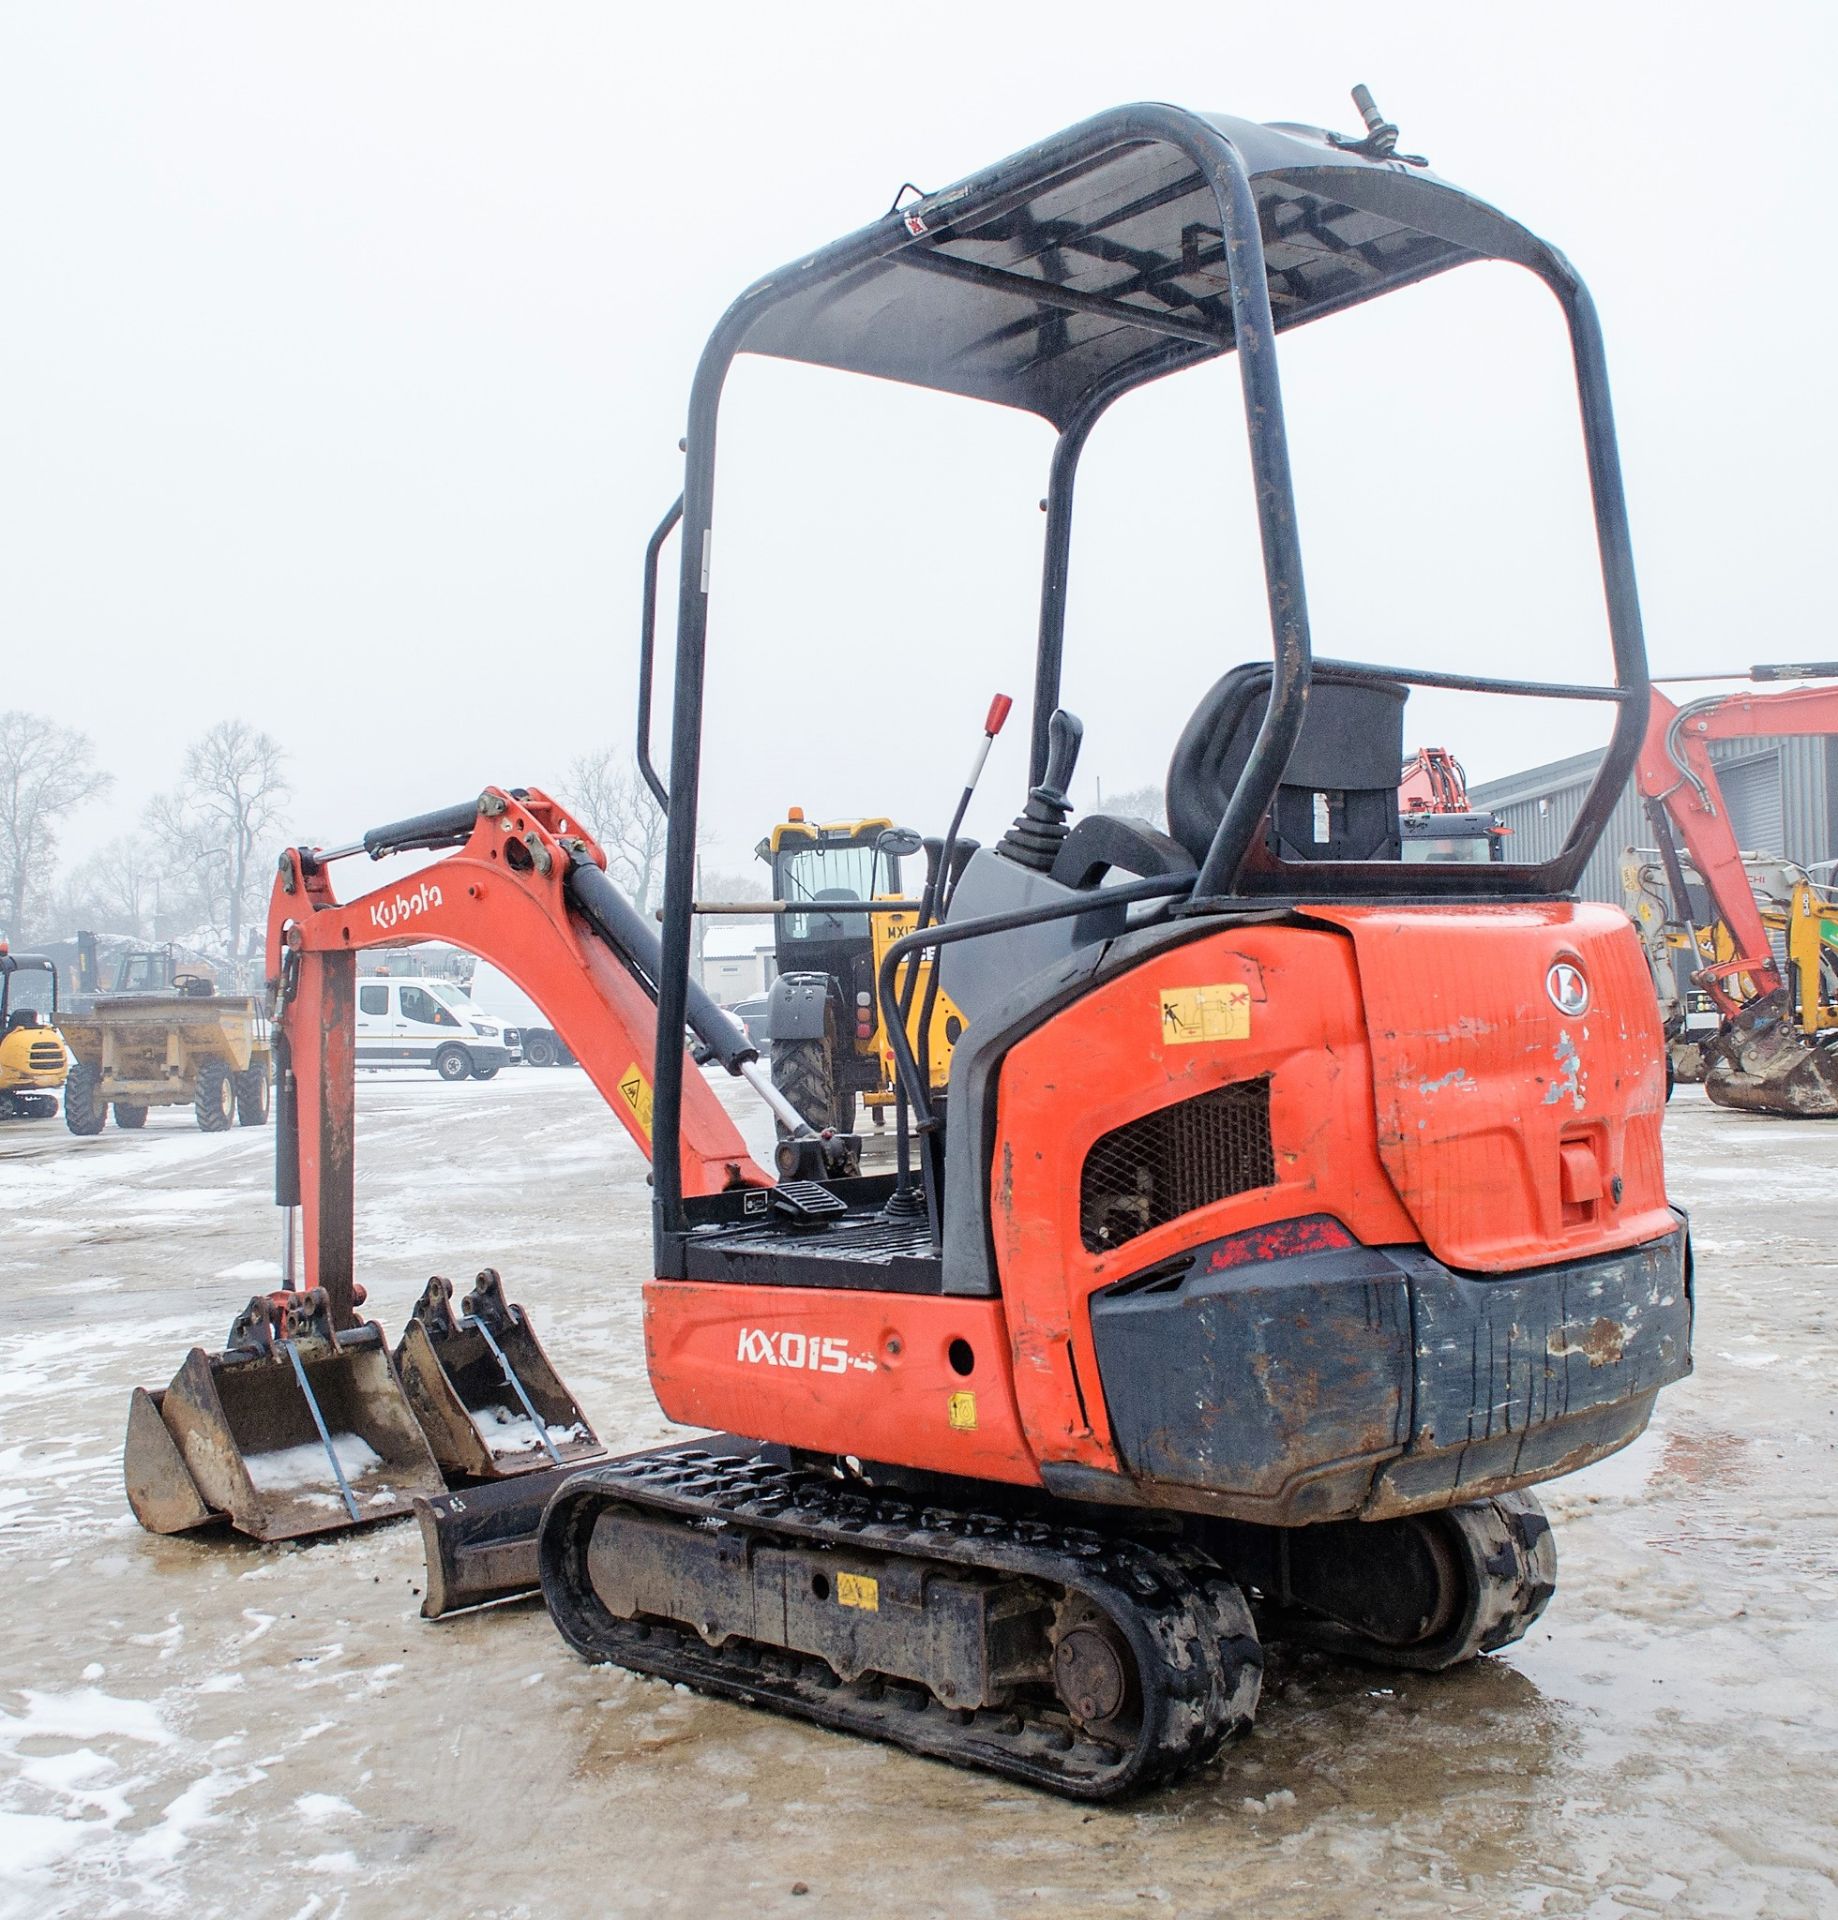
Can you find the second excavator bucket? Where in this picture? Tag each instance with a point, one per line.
(1762, 1063)
(292, 1429)
(487, 1398)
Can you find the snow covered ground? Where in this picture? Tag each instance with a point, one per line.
(214, 1727)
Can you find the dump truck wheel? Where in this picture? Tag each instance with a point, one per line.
(214, 1098)
(484, 1073)
(130, 1114)
(538, 1050)
(252, 1095)
(83, 1112)
(453, 1063)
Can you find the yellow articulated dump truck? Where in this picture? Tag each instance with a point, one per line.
(163, 1036)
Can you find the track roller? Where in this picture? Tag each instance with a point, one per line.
(1091, 1666)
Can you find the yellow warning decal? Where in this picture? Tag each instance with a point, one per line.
(858, 1590)
(635, 1091)
(962, 1412)
(1193, 1014)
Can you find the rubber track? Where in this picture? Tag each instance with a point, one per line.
(1199, 1683)
(1507, 1554)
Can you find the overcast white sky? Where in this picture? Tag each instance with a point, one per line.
(346, 350)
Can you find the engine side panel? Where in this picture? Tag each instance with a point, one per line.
(1277, 1004)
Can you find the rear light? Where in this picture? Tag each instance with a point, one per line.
(1316, 1233)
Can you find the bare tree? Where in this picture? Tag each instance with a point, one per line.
(45, 773)
(613, 803)
(214, 830)
(116, 890)
(734, 887)
(1138, 803)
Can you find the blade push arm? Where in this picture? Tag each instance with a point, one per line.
(524, 889)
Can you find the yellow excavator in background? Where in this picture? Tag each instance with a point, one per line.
(34, 1061)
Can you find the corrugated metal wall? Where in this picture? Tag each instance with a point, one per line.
(1540, 804)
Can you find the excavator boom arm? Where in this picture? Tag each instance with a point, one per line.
(1675, 773)
(525, 889)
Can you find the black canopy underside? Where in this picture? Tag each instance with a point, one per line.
(1022, 290)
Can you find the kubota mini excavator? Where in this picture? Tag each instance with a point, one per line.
(1293, 1207)
(1767, 1055)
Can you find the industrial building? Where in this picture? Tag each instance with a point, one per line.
(1782, 794)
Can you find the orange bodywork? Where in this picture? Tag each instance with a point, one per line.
(842, 1372)
(1425, 1088)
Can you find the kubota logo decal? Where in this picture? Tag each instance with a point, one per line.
(811, 1352)
(389, 913)
(1568, 989)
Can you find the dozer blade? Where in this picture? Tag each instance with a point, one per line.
(487, 1398)
(481, 1542)
(1762, 1063)
(291, 1430)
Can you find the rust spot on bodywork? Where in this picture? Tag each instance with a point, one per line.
(1601, 1343)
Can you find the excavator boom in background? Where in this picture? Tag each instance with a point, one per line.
(1755, 928)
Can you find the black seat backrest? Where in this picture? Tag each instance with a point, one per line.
(1339, 795)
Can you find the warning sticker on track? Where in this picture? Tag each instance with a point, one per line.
(1192, 1014)
(858, 1590)
(635, 1091)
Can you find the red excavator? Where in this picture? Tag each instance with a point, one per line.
(1292, 1207)
(1439, 821)
(1761, 1058)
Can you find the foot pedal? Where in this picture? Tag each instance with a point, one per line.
(806, 1200)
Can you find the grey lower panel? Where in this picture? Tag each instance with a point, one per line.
(1367, 1383)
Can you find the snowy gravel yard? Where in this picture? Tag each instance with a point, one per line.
(207, 1727)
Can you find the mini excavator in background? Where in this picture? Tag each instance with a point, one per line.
(1775, 1049)
(1292, 1207)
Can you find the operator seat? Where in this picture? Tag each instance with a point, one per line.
(1339, 795)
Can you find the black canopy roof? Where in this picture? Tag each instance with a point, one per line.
(1022, 291)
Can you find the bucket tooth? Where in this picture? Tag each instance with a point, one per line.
(488, 1399)
(291, 1430)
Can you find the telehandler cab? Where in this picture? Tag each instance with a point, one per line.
(837, 906)
(1294, 1206)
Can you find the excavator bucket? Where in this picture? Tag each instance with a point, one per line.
(1762, 1063)
(487, 1398)
(293, 1429)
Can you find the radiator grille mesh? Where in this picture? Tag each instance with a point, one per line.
(1175, 1160)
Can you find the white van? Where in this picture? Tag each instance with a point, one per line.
(427, 1023)
(496, 996)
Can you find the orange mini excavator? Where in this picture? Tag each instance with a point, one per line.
(1760, 1059)
(1291, 1206)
